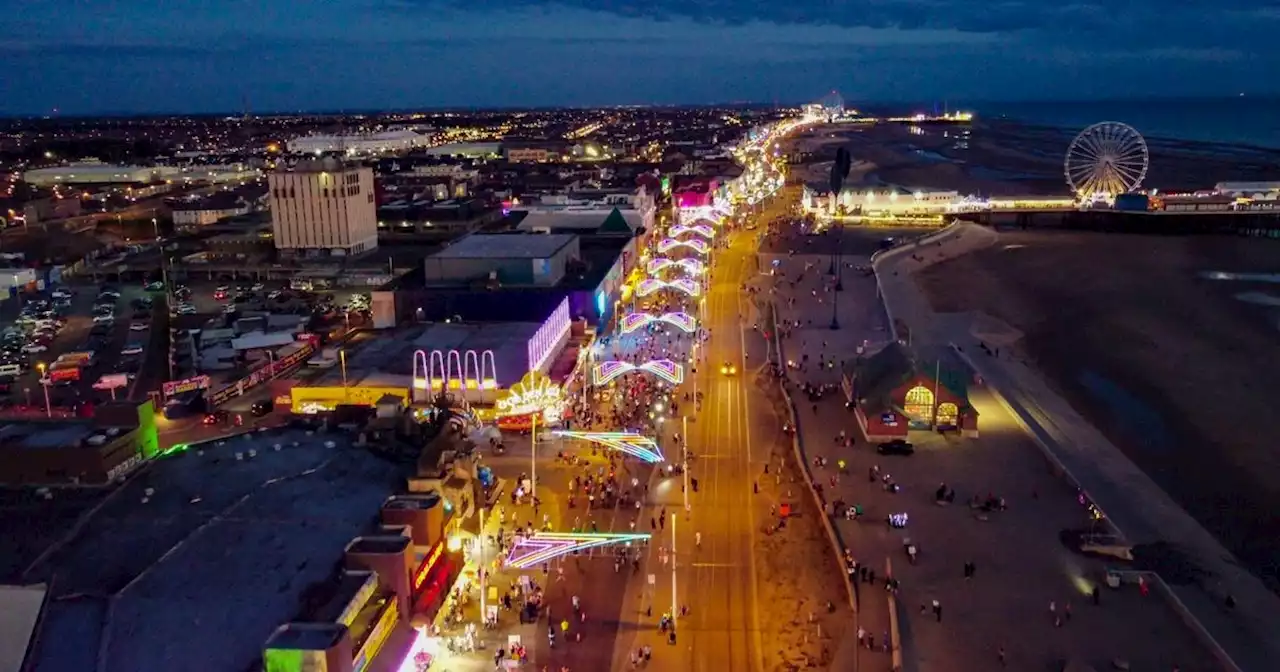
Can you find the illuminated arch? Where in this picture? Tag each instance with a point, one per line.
(420, 380)
(453, 370)
(490, 381)
(436, 381)
(663, 368)
(948, 414)
(649, 286)
(918, 403)
(689, 265)
(632, 444)
(471, 370)
(697, 245)
(701, 229)
(635, 321)
(541, 547)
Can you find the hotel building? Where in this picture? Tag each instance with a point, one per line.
(323, 207)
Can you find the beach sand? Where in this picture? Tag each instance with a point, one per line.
(1006, 158)
(1170, 365)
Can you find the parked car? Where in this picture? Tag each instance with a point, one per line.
(261, 408)
(216, 418)
(896, 447)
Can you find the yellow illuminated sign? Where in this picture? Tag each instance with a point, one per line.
(316, 399)
(534, 393)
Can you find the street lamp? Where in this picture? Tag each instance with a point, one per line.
(44, 382)
(839, 171)
(342, 358)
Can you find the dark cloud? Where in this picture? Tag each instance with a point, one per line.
(1139, 19)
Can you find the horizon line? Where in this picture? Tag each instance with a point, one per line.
(332, 112)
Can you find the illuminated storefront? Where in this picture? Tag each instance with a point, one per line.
(434, 577)
(312, 400)
(382, 628)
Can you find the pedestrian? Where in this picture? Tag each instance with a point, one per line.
(653, 523)
(937, 611)
(1097, 596)
(1001, 655)
(1066, 611)
(862, 637)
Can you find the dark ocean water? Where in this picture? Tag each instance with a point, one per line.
(1243, 120)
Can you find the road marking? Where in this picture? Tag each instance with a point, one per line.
(713, 564)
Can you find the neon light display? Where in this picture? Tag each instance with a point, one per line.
(710, 212)
(700, 229)
(689, 265)
(683, 321)
(649, 286)
(543, 547)
(550, 337)
(535, 393)
(630, 443)
(429, 564)
(697, 245)
(663, 368)
(454, 369)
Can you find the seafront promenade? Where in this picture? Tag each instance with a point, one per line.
(1136, 507)
(1019, 559)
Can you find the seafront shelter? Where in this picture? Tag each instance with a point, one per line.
(890, 395)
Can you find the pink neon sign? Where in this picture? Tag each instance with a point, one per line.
(689, 265)
(697, 245)
(649, 286)
(663, 368)
(683, 321)
(549, 336)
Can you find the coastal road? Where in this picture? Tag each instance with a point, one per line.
(722, 629)
(732, 440)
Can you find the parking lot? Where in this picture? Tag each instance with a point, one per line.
(262, 296)
(111, 322)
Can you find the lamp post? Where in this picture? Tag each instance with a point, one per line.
(342, 359)
(482, 566)
(533, 454)
(675, 611)
(44, 382)
(685, 458)
(839, 171)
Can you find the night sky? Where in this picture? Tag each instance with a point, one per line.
(288, 55)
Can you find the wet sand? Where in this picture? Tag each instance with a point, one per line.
(1170, 365)
(1006, 158)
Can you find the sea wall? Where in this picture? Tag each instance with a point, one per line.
(1252, 224)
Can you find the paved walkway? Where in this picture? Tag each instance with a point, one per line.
(1023, 566)
(803, 297)
(1132, 501)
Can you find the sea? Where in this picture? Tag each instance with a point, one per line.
(1241, 120)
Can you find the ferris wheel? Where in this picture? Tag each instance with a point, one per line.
(1106, 159)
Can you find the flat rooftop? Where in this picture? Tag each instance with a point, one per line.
(214, 559)
(506, 246)
(46, 434)
(388, 360)
(305, 636)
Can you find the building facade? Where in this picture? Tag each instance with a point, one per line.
(852, 201)
(532, 155)
(323, 207)
(196, 217)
